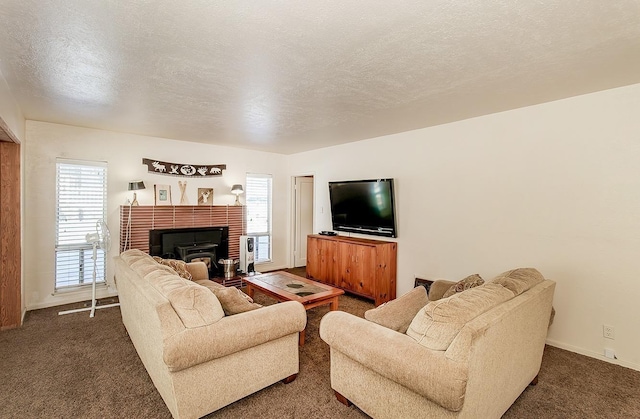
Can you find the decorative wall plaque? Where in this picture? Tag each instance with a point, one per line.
(183, 169)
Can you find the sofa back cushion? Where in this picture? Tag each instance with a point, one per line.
(519, 280)
(471, 281)
(194, 304)
(233, 300)
(438, 323)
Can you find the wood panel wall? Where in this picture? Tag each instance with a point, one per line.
(145, 218)
(10, 272)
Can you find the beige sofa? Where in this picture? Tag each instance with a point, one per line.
(466, 356)
(199, 359)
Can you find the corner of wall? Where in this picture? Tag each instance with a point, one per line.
(12, 121)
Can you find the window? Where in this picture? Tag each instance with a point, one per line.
(258, 196)
(81, 200)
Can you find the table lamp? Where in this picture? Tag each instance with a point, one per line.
(134, 186)
(237, 190)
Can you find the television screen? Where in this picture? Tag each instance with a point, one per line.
(363, 206)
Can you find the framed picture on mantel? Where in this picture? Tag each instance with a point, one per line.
(163, 194)
(205, 196)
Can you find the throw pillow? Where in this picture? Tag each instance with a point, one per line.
(519, 280)
(397, 314)
(233, 300)
(464, 284)
(180, 266)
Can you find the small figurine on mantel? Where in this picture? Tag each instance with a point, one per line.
(184, 200)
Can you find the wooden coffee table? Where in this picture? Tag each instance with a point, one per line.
(284, 286)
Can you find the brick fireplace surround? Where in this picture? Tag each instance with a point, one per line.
(145, 218)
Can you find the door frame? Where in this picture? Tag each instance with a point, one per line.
(11, 219)
(292, 221)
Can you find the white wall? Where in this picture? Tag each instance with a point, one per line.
(124, 154)
(554, 186)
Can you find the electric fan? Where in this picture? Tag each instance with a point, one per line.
(102, 239)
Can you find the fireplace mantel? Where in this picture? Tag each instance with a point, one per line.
(150, 217)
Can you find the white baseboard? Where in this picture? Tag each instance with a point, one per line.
(592, 354)
(72, 297)
(269, 268)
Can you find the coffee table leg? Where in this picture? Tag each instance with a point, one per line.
(301, 337)
(250, 290)
(333, 305)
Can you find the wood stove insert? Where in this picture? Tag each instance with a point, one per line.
(207, 244)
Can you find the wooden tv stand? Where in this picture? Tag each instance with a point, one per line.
(360, 266)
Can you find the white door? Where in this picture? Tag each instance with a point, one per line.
(304, 218)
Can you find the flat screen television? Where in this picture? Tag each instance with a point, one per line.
(363, 206)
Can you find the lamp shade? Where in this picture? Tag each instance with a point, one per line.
(237, 189)
(135, 185)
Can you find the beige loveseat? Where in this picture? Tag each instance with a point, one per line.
(199, 359)
(466, 356)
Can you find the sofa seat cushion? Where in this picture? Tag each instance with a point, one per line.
(519, 280)
(464, 284)
(397, 314)
(439, 322)
(233, 300)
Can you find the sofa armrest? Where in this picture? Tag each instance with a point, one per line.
(397, 357)
(233, 334)
(198, 270)
(397, 314)
(438, 288)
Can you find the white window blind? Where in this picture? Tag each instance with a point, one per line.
(258, 198)
(81, 200)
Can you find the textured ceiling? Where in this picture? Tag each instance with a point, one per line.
(289, 76)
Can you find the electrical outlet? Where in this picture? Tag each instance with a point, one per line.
(608, 332)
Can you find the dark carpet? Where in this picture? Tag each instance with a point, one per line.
(75, 367)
